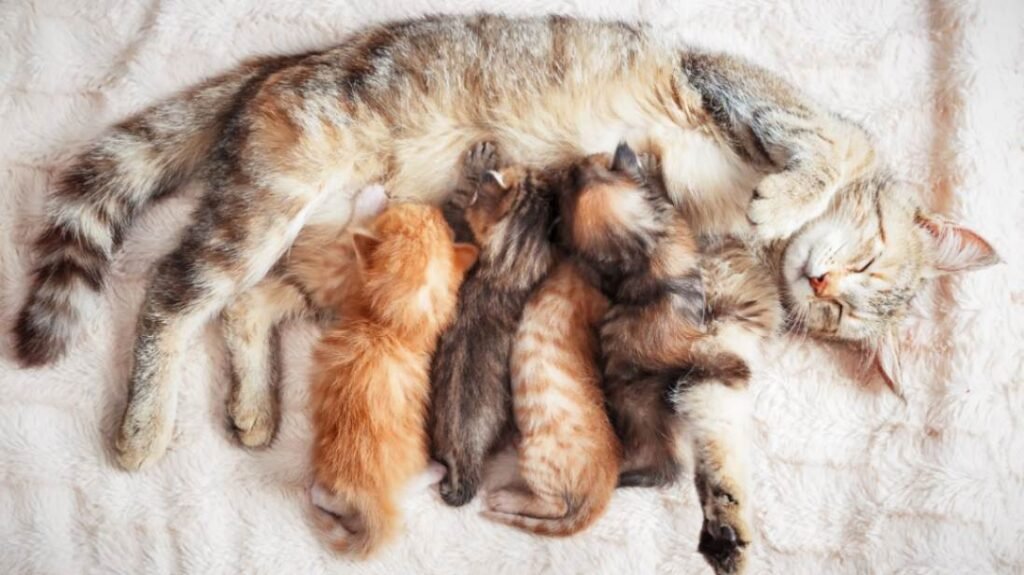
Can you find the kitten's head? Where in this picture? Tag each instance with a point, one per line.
(851, 273)
(613, 213)
(510, 215)
(411, 268)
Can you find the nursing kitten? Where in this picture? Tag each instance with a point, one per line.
(674, 350)
(568, 452)
(371, 382)
(510, 214)
(642, 255)
(311, 281)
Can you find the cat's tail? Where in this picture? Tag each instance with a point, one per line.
(355, 522)
(98, 197)
(581, 512)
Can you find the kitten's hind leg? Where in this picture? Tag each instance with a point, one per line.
(717, 414)
(250, 330)
(648, 430)
(239, 234)
(530, 504)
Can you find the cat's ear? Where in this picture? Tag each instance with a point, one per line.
(465, 256)
(364, 245)
(887, 364)
(952, 248)
(626, 161)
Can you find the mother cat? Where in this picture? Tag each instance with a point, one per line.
(285, 142)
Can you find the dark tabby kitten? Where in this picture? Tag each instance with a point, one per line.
(510, 214)
(674, 346)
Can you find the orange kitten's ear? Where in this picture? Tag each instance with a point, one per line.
(364, 245)
(465, 256)
(953, 248)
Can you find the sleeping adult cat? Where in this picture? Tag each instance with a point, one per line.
(284, 142)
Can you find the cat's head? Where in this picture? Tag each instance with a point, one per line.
(851, 273)
(613, 212)
(411, 268)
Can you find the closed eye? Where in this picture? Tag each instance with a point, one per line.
(865, 267)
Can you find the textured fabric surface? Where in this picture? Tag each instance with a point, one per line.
(847, 478)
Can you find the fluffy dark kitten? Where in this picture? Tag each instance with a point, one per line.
(675, 340)
(510, 214)
(641, 253)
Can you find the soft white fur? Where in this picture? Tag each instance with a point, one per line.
(847, 479)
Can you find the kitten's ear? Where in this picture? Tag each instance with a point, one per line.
(626, 160)
(952, 248)
(493, 185)
(465, 256)
(494, 177)
(887, 363)
(364, 245)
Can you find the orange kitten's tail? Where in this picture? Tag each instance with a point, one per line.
(525, 512)
(356, 523)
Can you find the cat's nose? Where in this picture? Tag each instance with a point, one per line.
(819, 284)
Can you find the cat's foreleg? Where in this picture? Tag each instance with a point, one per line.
(716, 412)
(806, 152)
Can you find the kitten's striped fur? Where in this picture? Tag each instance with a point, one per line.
(568, 452)
(510, 214)
(675, 340)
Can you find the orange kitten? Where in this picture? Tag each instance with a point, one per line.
(568, 453)
(371, 385)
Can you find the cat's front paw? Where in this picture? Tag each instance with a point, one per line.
(722, 547)
(779, 207)
(726, 534)
(254, 417)
(143, 438)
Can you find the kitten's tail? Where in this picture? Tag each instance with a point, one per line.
(581, 512)
(357, 523)
(97, 199)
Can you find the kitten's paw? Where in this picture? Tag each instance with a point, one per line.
(483, 156)
(434, 473)
(142, 439)
(778, 208)
(505, 501)
(254, 417)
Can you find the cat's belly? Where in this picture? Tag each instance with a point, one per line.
(703, 175)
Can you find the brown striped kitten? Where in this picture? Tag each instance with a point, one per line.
(510, 214)
(568, 452)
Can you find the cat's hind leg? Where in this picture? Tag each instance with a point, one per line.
(239, 234)
(250, 332)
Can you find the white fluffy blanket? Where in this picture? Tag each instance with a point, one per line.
(847, 478)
